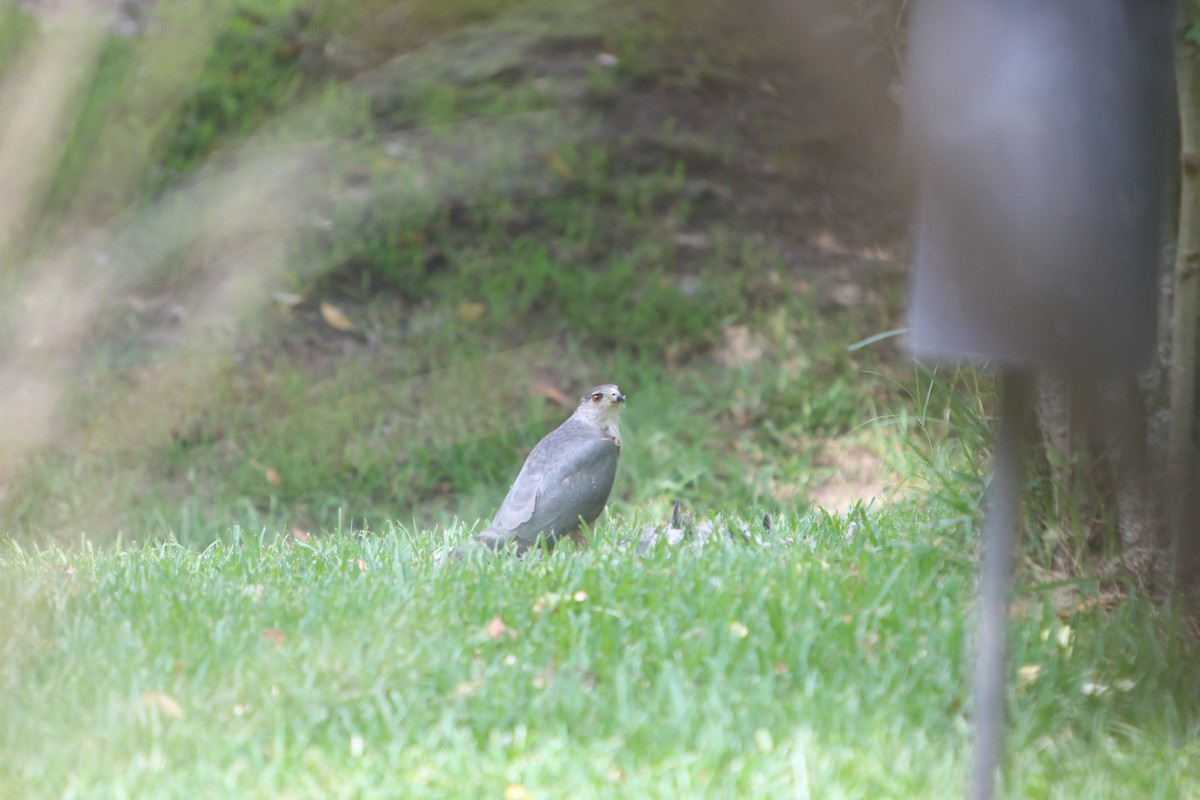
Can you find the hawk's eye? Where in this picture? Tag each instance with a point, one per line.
(597, 397)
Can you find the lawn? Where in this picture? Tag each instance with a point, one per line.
(826, 657)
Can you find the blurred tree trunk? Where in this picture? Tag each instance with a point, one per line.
(1181, 448)
(1117, 477)
(1100, 464)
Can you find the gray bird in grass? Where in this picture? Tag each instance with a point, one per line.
(566, 479)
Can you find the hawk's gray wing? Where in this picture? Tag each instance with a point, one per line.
(567, 476)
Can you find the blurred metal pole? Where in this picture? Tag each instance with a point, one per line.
(1004, 501)
(1039, 133)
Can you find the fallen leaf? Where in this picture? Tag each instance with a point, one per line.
(335, 318)
(163, 703)
(553, 394)
(768, 88)
(870, 640)
(848, 295)
(287, 51)
(546, 602)
(694, 241)
(1064, 636)
(559, 165)
(543, 678)
(827, 242)
(300, 535)
(470, 312)
(288, 299)
(274, 636)
(1106, 602)
(270, 473)
(606, 60)
(1028, 674)
(362, 565)
(496, 629)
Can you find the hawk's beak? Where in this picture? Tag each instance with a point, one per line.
(620, 397)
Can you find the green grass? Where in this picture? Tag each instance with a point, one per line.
(385, 438)
(829, 662)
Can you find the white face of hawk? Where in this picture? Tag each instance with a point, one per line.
(601, 404)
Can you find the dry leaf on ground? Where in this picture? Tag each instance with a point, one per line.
(336, 318)
(496, 629)
(559, 165)
(163, 703)
(553, 394)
